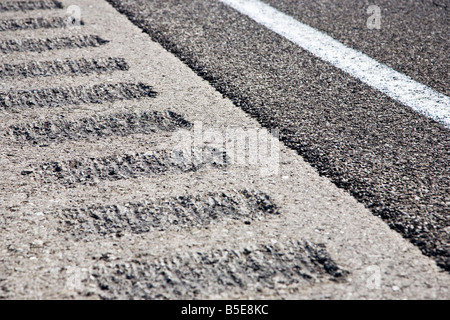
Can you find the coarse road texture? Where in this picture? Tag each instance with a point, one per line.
(390, 158)
(100, 198)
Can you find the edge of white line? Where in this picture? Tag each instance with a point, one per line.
(396, 85)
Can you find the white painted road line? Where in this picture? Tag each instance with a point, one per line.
(396, 85)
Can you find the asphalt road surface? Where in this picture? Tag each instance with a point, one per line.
(122, 174)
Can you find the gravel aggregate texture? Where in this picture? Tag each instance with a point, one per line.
(62, 67)
(393, 160)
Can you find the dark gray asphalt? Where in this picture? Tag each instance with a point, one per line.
(61, 68)
(32, 23)
(182, 213)
(119, 124)
(391, 159)
(413, 38)
(41, 45)
(30, 5)
(54, 97)
(304, 263)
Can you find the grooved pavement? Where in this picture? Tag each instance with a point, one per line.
(117, 177)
